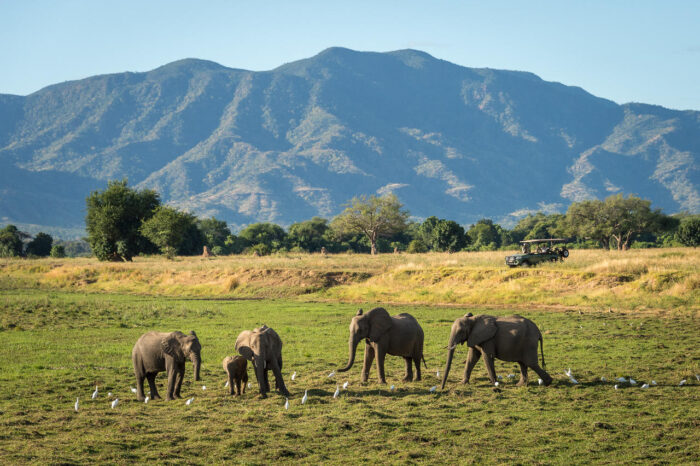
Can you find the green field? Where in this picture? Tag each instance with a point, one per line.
(59, 344)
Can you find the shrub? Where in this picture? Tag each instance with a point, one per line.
(417, 246)
(58, 251)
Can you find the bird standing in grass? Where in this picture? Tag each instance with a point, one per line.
(337, 392)
(189, 401)
(94, 394)
(294, 375)
(115, 403)
(77, 402)
(345, 385)
(286, 403)
(305, 397)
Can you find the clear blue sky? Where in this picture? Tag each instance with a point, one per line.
(642, 51)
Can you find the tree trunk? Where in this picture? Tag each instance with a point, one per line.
(373, 241)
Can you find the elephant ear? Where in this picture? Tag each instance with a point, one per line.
(242, 345)
(379, 323)
(172, 347)
(483, 328)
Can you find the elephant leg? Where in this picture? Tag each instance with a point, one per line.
(267, 380)
(380, 365)
(179, 376)
(152, 384)
(416, 361)
(231, 382)
(472, 358)
(172, 374)
(490, 368)
(409, 369)
(139, 386)
(367, 365)
(546, 378)
(279, 380)
(523, 375)
(260, 376)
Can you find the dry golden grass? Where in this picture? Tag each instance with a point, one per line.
(659, 279)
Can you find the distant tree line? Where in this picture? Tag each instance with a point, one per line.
(122, 222)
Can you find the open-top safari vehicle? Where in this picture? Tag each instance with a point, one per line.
(544, 251)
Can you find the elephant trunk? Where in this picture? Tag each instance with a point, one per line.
(352, 347)
(450, 355)
(197, 363)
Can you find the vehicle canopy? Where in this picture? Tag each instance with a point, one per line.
(548, 240)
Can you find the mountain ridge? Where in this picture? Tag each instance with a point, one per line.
(299, 140)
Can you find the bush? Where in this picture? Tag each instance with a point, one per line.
(58, 251)
(40, 246)
(417, 247)
(261, 248)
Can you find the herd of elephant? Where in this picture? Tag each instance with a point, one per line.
(512, 339)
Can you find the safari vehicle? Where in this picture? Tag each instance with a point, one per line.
(544, 252)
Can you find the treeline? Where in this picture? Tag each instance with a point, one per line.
(122, 222)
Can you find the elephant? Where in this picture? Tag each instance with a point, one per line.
(157, 351)
(513, 338)
(236, 368)
(263, 347)
(399, 335)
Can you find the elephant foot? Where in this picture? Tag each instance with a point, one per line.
(417, 379)
(547, 381)
(156, 397)
(521, 384)
(168, 398)
(406, 379)
(465, 381)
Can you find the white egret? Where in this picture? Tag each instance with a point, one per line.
(337, 392)
(286, 403)
(615, 386)
(109, 394)
(331, 374)
(133, 390)
(646, 385)
(540, 381)
(496, 384)
(294, 375)
(653, 383)
(115, 403)
(621, 379)
(391, 389)
(345, 385)
(204, 387)
(77, 400)
(697, 376)
(632, 381)
(189, 401)
(146, 399)
(94, 394)
(603, 379)
(567, 372)
(437, 374)
(434, 387)
(500, 377)
(226, 384)
(305, 397)
(683, 382)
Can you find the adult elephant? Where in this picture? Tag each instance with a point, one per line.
(156, 352)
(512, 338)
(399, 335)
(263, 347)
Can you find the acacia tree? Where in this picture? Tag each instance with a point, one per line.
(167, 229)
(689, 231)
(588, 219)
(372, 216)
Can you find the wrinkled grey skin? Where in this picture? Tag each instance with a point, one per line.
(512, 338)
(399, 335)
(236, 368)
(263, 347)
(158, 351)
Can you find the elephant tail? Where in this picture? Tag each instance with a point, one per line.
(423, 358)
(544, 366)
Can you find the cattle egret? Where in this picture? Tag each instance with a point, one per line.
(286, 403)
(496, 384)
(567, 372)
(146, 399)
(697, 376)
(76, 404)
(294, 375)
(94, 394)
(646, 385)
(632, 381)
(115, 403)
(500, 377)
(345, 385)
(133, 390)
(109, 394)
(615, 386)
(437, 374)
(434, 387)
(204, 387)
(653, 383)
(573, 380)
(621, 379)
(331, 374)
(682, 382)
(510, 376)
(226, 384)
(305, 397)
(248, 384)
(391, 389)
(603, 379)
(540, 381)
(337, 392)
(189, 401)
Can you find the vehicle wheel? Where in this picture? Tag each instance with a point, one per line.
(565, 253)
(526, 264)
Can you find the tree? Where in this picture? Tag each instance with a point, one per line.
(167, 229)
(538, 226)
(632, 215)
(308, 235)
(442, 235)
(484, 235)
(58, 251)
(113, 220)
(689, 231)
(214, 232)
(269, 234)
(588, 219)
(40, 246)
(11, 244)
(372, 216)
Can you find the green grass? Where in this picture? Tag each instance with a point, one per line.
(58, 345)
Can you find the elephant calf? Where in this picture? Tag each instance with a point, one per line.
(512, 338)
(236, 368)
(156, 352)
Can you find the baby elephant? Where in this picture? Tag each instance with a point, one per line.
(236, 368)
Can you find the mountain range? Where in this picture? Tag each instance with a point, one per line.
(301, 140)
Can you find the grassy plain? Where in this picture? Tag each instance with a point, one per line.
(69, 325)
